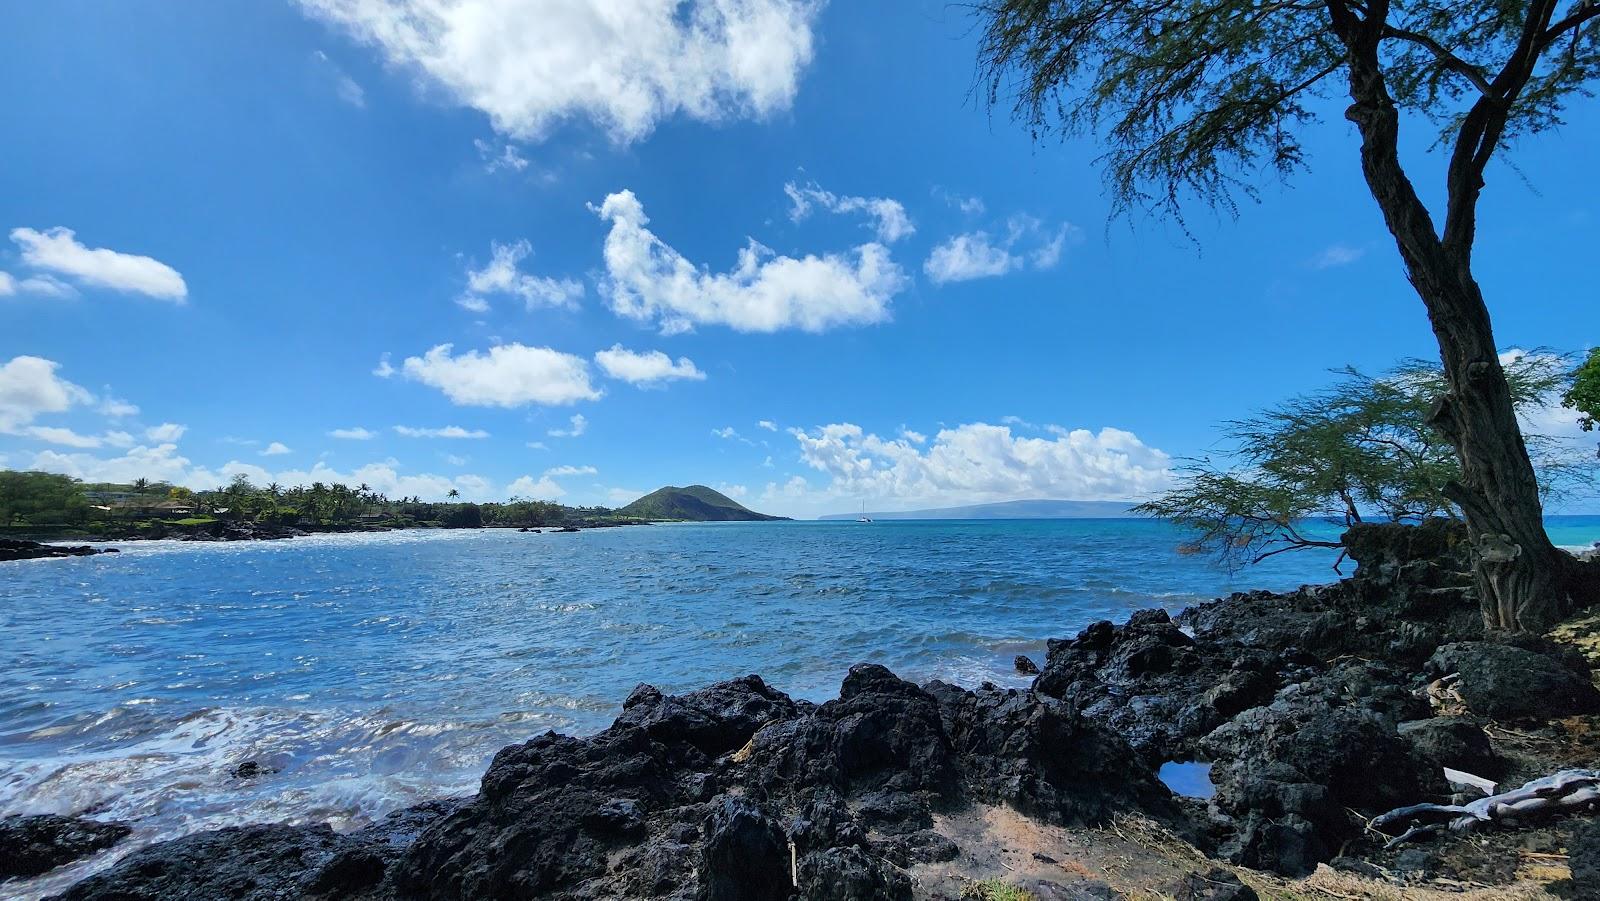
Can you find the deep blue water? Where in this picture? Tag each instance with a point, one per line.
(376, 670)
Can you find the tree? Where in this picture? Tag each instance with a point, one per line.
(1359, 450)
(1193, 98)
(453, 494)
(1584, 394)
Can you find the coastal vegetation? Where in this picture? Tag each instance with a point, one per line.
(1360, 450)
(1193, 101)
(49, 506)
(1584, 394)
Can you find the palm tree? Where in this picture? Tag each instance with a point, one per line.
(453, 494)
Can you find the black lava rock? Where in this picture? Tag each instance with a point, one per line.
(32, 845)
(1506, 682)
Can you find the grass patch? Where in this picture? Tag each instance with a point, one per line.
(194, 521)
(996, 890)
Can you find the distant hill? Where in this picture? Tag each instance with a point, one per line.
(1041, 509)
(696, 503)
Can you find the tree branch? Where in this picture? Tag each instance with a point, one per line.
(1450, 60)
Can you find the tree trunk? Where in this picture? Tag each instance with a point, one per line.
(1524, 582)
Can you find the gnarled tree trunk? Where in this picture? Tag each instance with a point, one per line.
(1524, 582)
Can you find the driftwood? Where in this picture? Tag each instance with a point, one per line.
(1567, 790)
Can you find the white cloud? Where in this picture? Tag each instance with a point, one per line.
(505, 156)
(501, 275)
(384, 369)
(737, 492)
(55, 435)
(767, 424)
(979, 462)
(346, 87)
(165, 433)
(117, 408)
(888, 216)
(118, 439)
(767, 463)
(57, 250)
(624, 66)
(276, 449)
(46, 285)
(30, 387)
(449, 431)
(579, 425)
(647, 280)
(649, 368)
(536, 445)
(509, 375)
(978, 254)
(1337, 255)
(563, 471)
(355, 434)
(727, 432)
(543, 489)
(621, 497)
(454, 460)
(8, 284)
(163, 463)
(965, 257)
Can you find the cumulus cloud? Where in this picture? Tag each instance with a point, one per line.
(449, 431)
(65, 437)
(562, 471)
(117, 408)
(889, 218)
(502, 275)
(767, 424)
(355, 434)
(29, 387)
(578, 425)
(509, 375)
(647, 280)
(8, 284)
(57, 250)
(979, 462)
(645, 369)
(541, 489)
(531, 64)
(978, 254)
(384, 369)
(165, 433)
(276, 449)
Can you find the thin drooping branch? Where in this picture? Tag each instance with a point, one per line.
(1450, 60)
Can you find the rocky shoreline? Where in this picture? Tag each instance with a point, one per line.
(20, 549)
(1316, 711)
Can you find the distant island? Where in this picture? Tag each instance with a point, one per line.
(1037, 509)
(695, 503)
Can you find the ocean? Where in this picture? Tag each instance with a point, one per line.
(373, 671)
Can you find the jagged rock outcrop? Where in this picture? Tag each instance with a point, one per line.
(1506, 682)
(697, 796)
(36, 844)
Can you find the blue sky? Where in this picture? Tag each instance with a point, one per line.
(511, 251)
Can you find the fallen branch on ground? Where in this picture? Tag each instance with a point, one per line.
(1567, 790)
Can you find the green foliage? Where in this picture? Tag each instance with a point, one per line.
(1360, 449)
(996, 890)
(40, 497)
(1194, 98)
(1584, 393)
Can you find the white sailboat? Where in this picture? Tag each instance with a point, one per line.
(863, 517)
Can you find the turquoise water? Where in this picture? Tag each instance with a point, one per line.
(375, 670)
